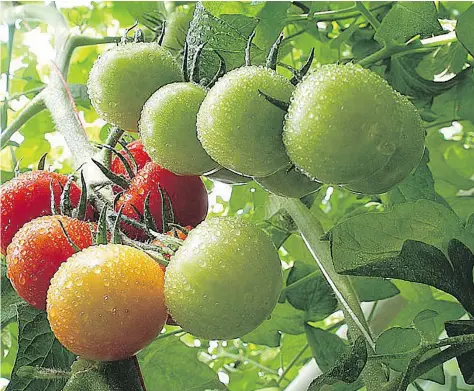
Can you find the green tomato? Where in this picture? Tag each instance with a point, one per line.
(168, 129)
(124, 77)
(288, 182)
(177, 25)
(239, 128)
(346, 125)
(226, 176)
(224, 280)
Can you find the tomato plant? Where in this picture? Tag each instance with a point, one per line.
(322, 153)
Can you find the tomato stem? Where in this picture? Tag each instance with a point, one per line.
(419, 46)
(311, 231)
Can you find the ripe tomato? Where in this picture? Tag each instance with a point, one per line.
(139, 154)
(107, 302)
(124, 77)
(224, 280)
(188, 197)
(347, 126)
(288, 183)
(239, 128)
(168, 129)
(37, 251)
(29, 196)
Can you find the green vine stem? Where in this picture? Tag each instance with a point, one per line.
(311, 231)
(368, 15)
(420, 46)
(334, 15)
(4, 113)
(33, 107)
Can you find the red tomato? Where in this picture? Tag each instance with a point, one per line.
(188, 197)
(29, 196)
(37, 251)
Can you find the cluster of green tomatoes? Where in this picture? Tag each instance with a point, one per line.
(341, 125)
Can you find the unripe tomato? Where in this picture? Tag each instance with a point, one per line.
(288, 183)
(37, 251)
(29, 196)
(124, 77)
(224, 280)
(346, 125)
(168, 129)
(177, 233)
(106, 302)
(239, 128)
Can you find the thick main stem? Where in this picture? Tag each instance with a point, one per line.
(311, 230)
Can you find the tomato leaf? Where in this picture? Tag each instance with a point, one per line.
(37, 346)
(404, 243)
(371, 289)
(284, 318)
(401, 340)
(405, 79)
(10, 299)
(118, 375)
(228, 37)
(347, 368)
(164, 360)
(314, 295)
(325, 346)
(424, 323)
(456, 328)
(418, 185)
(464, 29)
(407, 19)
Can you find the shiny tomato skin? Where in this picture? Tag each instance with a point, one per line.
(125, 76)
(29, 196)
(138, 152)
(188, 197)
(37, 251)
(107, 302)
(179, 234)
(224, 280)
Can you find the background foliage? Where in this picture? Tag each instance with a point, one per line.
(440, 83)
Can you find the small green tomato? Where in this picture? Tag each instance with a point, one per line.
(239, 128)
(168, 129)
(224, 280)
(124, 77)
